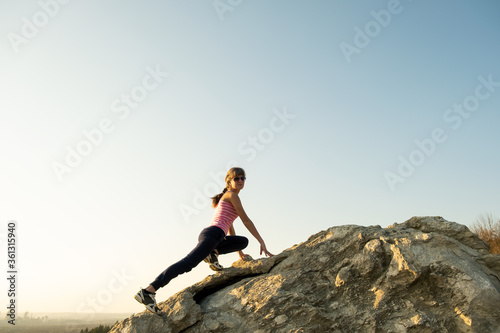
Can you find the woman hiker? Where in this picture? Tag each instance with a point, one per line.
(218, 238)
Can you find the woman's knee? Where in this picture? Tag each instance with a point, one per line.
(187, 264)
(244, 242)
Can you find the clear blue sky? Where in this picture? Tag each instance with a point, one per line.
(117, 120)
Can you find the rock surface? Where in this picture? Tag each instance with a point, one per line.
(423, 275)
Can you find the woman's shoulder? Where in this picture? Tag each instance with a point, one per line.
(229, 196)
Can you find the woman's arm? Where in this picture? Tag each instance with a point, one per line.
(236, 202)
(231, 232)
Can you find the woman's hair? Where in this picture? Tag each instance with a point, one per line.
(232, 173)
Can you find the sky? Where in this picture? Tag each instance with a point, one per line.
(119, 119)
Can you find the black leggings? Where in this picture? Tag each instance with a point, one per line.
(210, 238)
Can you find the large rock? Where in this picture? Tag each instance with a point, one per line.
(424, 275)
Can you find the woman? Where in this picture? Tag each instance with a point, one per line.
(218, 238)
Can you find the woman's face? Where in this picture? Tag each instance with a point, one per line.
(237, 183)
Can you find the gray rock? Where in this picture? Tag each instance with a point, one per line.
(423, 275)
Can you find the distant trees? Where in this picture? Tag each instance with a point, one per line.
(100, 329)
(487, 227)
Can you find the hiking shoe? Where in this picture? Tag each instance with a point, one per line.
(213, 262)
(148, 299)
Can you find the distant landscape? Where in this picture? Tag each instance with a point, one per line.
(66, 322)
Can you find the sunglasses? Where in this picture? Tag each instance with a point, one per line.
(236, 179)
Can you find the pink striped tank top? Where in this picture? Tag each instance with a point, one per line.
(224, 216)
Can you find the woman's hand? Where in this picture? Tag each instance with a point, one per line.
(264, 250)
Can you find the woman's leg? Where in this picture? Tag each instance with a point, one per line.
(207, 241)
(232, 244)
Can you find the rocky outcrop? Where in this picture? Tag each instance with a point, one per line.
(423, 275)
